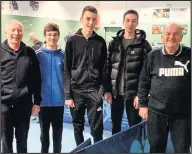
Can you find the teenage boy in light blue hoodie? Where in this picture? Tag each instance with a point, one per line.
(51, 60)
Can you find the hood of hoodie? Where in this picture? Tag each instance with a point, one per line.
(43, 47)
(6, 46)
(140, 35)
(79, 33)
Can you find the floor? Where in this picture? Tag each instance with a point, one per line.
(68, 142)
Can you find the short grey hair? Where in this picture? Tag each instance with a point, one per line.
(175, 24)
(13, 21)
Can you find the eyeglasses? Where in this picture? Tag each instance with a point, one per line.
(49, 35)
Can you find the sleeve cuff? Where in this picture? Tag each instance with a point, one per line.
(68, 97)
(143, 103)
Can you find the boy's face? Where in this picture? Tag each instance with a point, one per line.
(89, 21)
(51, 38)
(130, 22)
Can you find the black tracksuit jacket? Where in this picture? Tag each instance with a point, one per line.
(85, 65)
(20, 76)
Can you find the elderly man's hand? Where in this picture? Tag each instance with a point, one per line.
(143, 112)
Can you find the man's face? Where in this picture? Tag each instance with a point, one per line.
(14, 33)
(52, 38)
(89, 21)
(130, 22)
(172, 36)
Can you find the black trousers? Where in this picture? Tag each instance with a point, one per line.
(117, 109)
(158, 127)
(94, 104)
(51, 116)
(15, 120)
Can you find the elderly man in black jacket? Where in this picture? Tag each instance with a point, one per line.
(166, 76)
(20, 79)
(126, 54)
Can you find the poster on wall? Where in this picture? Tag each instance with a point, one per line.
(161, 13)
(13, 5)
(34, 5)
(184, 29)
(157, 29)
(23, 6)
(3, 5)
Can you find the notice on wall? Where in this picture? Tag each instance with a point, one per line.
(171, 13)
(161, 13)
(179, 9)
(158, 29)
(34, 5)
(23, 5)
(176, 13)
(3, 5)
(13, 5)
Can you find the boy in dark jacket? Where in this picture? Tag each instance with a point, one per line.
(85, 73)
(20, 80)
(166, 76)
(126, 54)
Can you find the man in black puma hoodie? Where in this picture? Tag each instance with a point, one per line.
(85, 73)
(20, 79)
(166, 76)
(126, 54)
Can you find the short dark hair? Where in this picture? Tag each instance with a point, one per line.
(131, 12)
(51, 27)
(90, 9)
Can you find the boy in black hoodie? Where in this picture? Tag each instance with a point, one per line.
(166, 76)
(86, 73)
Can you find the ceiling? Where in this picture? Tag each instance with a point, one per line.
(118, 5)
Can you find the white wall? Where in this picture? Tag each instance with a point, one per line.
(62, 10)
(71, 10)
(145, 16)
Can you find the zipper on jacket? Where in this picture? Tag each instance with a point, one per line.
(125, 68)
(15, 79)
(73, 52)
(92, 54)
(125, 73)
(87, 58)
(51, 78)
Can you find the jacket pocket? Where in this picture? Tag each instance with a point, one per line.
(22, 92)
(79, 76)
(94, 74)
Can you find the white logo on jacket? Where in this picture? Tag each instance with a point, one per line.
(178, 63)
(179, 71)
(99, 109)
